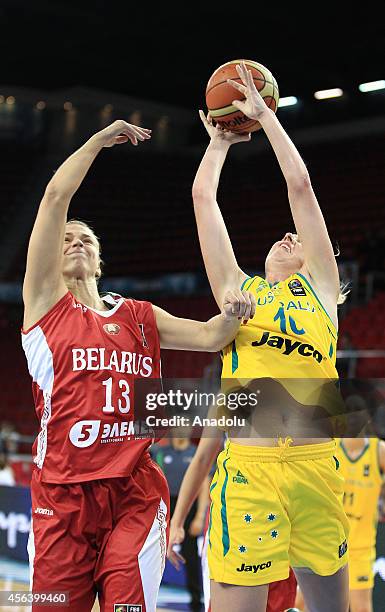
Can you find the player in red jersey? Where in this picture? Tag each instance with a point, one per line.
(99, 503)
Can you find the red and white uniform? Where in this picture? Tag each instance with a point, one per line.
(99, 503)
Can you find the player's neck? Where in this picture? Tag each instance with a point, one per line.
(86, 292)
(354, 444)
(276, 274)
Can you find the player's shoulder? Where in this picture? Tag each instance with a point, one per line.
(253, 281)
(112, 298)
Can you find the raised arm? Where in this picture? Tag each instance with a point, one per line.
(307, 216)
(221, 265)
(43, 282)
(209, 336)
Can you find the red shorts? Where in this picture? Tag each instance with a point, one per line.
(106, 536)
(282, 594)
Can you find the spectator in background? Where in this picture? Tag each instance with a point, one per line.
(7, 434)
(345, 367)
(6, 473)
(369, 252)
(371, 258)
(174, 460)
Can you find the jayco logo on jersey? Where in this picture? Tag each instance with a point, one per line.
(254, 568)
(120, 361)
(289, 346)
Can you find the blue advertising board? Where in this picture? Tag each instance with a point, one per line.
(15, 520)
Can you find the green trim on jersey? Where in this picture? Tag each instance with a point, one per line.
(317, 298)
(244, 282)
(367, 445)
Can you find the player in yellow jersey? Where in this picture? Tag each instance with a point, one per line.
(276, 502)
(362, 463)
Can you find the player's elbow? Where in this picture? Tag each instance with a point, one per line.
(57, 191)
(211, 342)
(200, 194)
(299, 183)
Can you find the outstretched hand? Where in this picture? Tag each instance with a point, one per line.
(217, 133)
(120, 132)
(254, 105)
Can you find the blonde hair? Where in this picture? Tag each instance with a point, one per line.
(87, 226)
(344, 291)
(343, 294)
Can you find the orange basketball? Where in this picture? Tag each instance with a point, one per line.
(219, 95)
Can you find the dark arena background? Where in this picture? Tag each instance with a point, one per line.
(69, 69)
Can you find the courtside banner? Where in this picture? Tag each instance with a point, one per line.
(15, 520)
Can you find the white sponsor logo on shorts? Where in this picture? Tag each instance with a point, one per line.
(43, 511)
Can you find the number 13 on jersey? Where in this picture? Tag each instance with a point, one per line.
(123, 399)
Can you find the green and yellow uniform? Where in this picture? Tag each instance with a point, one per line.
(280, 506)
(363, 481)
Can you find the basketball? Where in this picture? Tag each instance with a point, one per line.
(220, 94)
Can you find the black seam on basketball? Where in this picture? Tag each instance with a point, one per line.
(237, 79)
(272, 97)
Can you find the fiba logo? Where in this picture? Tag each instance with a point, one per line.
(84, 433)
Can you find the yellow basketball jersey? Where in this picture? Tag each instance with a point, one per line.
(363, 482)
(290, 337)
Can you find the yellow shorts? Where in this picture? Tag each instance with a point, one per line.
(272, 508)
(361, 563)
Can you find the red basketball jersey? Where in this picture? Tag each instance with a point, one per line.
(83, 365)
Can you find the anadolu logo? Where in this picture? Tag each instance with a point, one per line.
(112, 328)
(84, 433)
(289, 346)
